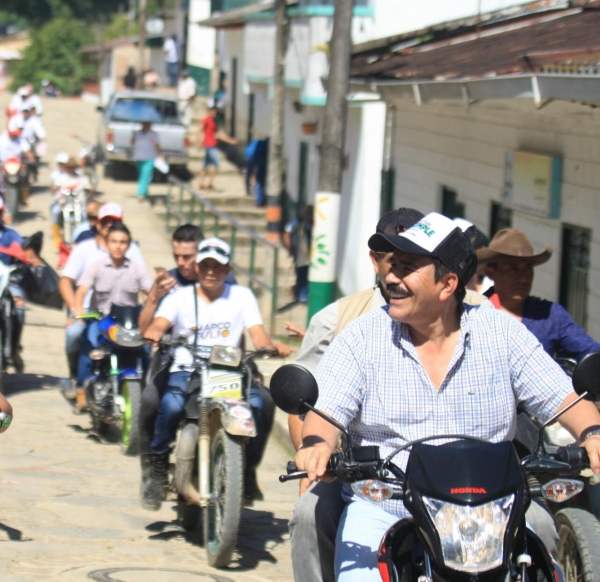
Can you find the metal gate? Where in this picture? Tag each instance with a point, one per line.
(574, 272)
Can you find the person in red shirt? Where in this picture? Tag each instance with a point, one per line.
(208, 136)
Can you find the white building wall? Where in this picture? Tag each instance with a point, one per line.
(231, 46)
(439, 145)
(361, 192)
(399, 16)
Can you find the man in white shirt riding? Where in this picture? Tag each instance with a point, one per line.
(218, 313)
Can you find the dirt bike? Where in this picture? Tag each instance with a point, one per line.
(114, 392)
(72, 201)
(208, 475)
(578, 527)
(88, 157)
(9, 342)
(466, 498)
(14, 181)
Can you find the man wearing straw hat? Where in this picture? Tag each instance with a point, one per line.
(509, 262)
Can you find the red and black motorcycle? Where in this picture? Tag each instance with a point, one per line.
(466, 498)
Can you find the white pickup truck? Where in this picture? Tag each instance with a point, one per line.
(124, 114)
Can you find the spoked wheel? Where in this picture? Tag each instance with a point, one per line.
(131, 390)
(222, 516)
(579, 540)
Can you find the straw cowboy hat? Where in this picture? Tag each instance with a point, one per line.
(511, 243)
(72, 163)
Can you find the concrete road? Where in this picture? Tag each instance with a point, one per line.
(70, 509)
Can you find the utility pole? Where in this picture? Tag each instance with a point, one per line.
(275, 171)
(142, 34)
(323, 261)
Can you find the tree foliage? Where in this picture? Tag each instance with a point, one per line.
(38, 12)
(54, 54)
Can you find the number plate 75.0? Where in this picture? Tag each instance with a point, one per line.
(223, 386)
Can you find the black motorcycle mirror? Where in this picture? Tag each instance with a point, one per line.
(586, 383)
(294, 390)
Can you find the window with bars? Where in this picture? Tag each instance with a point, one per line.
(574, 272)
(451, 207)
(500, 217)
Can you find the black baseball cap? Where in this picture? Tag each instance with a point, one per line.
(434, 236)
(404, 218)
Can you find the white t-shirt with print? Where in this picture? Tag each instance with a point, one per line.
(220, 323)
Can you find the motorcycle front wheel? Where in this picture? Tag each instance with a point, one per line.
(1, 364)
(131, 390)
(222, 516)
(579, 540)
(11, 200)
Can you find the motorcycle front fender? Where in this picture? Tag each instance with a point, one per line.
(129, 374)
(236, 416)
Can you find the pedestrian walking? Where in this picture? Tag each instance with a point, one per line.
(186, 93)
(130, 79)
(297, 238)
(171, 59)
(208, 136)
(145, 151)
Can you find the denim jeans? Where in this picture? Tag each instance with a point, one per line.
(361, 529)
(171, 412)
(89, 341)
(172, 70)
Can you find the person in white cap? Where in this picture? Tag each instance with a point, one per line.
(70, 179)
(12, 143)
(219, 313)
(82, 256)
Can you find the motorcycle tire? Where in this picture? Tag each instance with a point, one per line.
(579, 540)
(131, 390)
(188, 514)
(67, 230)
(11, 200)
(222, 516)
(2, 365)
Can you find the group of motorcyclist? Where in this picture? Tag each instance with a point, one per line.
(421, 351)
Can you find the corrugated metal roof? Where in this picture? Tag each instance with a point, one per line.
(526, 44)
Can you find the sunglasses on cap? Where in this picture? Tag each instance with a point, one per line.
(217, 250)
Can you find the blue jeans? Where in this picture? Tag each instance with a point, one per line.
(88, 341)
(171, 411)
(172, 70)
(302, 283)
(145, 170)
(356, 546)
(211, 157)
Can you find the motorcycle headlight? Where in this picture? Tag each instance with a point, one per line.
(225, 356)
(472, 538)
(128, 338)
(12, 167)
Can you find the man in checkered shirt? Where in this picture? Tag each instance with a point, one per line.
(426, 365)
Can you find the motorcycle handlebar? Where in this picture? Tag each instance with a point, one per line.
(574, 455)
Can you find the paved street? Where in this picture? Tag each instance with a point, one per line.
(70, 508)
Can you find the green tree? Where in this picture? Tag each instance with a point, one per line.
(54, 55)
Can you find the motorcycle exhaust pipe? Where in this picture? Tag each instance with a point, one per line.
(184, 463)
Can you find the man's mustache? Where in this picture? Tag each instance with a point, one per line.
(397, 292)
